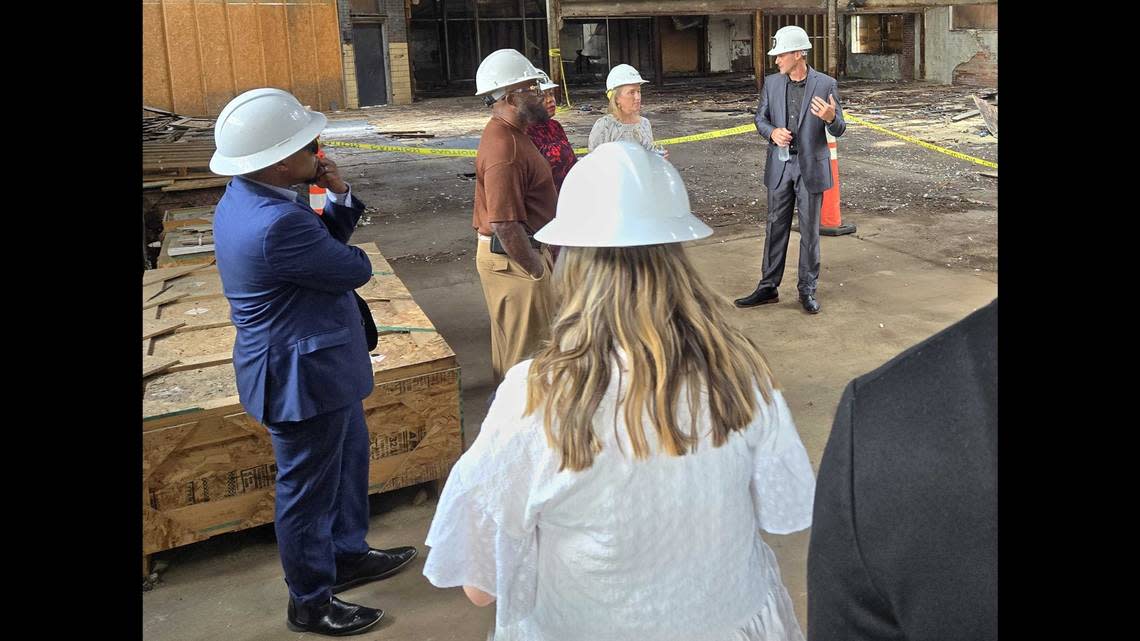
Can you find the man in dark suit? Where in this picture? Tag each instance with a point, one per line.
(798, 168)
(300, 355)
(904, 531)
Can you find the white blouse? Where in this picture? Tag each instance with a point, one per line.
(659, 549)
(610, 129)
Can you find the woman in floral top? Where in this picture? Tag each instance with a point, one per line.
(550, 138)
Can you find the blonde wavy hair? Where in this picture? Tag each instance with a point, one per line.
(650, 303)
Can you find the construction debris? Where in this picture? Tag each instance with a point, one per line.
(419, 133)
(177, 151)
(989, 112)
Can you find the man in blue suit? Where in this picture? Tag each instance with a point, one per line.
(798, 168)
(300, 355)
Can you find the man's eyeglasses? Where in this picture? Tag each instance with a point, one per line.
(313, 147)
(532, 89)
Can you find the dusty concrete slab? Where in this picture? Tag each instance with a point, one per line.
(879, 294)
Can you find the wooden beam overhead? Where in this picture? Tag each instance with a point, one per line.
(601, 8)
(874, 5)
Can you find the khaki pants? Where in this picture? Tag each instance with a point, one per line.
(521, 308)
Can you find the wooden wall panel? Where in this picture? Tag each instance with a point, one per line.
(199, 54)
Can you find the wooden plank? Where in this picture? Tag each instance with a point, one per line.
(871, 5)
(194, 123)
(168, 297)
(200, 362)
(185, 185)
(157, 183)
(989, 114)
(199, 314)
(151, 276)
(154, 364)
(594, 8)
(193, 249)
(150, 292)
(152, 328)
(966, 114)
(206, 286)
(181, 217)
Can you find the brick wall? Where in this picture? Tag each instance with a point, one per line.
(342, 15)
(352, 98)
(906, 65)
(400, 65)
(397, 21)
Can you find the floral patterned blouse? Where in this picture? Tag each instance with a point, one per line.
(551, 140)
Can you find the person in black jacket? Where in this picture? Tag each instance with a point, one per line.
(904, 536)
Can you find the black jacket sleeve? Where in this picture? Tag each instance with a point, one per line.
(843, 603)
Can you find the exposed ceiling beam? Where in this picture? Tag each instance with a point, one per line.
(599, 8)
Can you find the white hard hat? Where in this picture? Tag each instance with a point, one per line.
(545, 83)
(622, 195)
(623, 74)
(503, 68)
(261, 127)
(789, 38)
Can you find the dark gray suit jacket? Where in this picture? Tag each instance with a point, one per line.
(771, 114)
(904, 530)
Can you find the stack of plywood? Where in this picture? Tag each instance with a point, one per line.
(208, 467)
(179, 166)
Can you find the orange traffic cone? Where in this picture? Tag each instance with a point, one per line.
(830, 222)
(317, 194)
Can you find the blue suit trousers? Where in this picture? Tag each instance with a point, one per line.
(322, 497)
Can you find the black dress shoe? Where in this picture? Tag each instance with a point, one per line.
(811, 305)
(762, 296)
(372, 566)
(335, 618)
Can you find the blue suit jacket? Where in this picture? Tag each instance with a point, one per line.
(813, 157)
(289, 277)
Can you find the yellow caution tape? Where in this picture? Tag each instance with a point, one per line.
(426, 151)
(708, 135)
(557, 53)
(920, 143)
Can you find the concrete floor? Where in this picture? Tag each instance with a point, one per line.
(876, 301)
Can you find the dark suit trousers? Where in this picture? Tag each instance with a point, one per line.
(791, 193)
(322, 497)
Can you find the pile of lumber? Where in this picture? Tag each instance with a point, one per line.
(177, 151)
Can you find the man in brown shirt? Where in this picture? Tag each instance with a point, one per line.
(514, 198)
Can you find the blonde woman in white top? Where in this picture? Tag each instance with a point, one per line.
(619, 482)
(624, 121)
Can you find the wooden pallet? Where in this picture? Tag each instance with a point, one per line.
(208, 468)
(174, 218)
(187, 244)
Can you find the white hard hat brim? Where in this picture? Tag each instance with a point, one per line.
(239, 165)
(546, 86)
(777, 50)
(635, 82)
(525, 78)
(565, 233)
